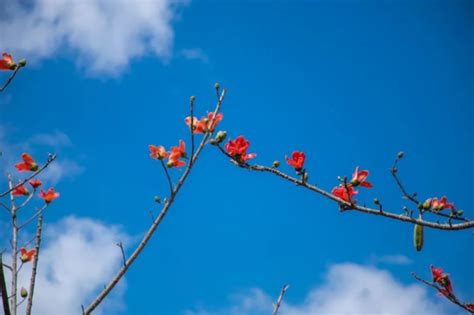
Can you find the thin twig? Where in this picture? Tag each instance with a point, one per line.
(120, 245)
(34, 216)
(192, 127)
(14, 247)
(51, 158)
(39, 228)
(394, 171)
(355, 207)
(146, 238)
(10, 79)
(3, 289)
(168, 177)
(277, 305)
(451, 297)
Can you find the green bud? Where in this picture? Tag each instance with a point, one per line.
(22, 62)
(213, 142)
(459, 213)
(276, 164)
(23, 293)
(400, 155)
(221, 135)
(376, 201)
(217, 86)
(157, 199)
(427, 204)
(192, 98)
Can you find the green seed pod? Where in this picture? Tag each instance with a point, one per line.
(23, 293)
(418, 237)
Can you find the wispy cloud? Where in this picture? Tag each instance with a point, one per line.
(195, 54)
(104, 35)
(347, 289)
(56, 139)
(78, 257)
(390, 259)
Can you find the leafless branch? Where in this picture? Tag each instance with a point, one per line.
(168, 177)
(3, 289)
(10, 79)
(277, 305)
(121, 272)
(39, 228)
(120, 245)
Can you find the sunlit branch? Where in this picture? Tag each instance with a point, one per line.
(3, 288)
(39, 229)
(34, 216)
(347, 205)
(121, 272)
(277, 305)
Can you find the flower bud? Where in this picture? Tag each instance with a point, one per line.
(400, 155)
(217, 86)
(276, 164)
(157, 199)
(221, 135)
(427, 204)
(376, 201)
(192, 98)
(23, 293)
(213, 142)
(22, 62)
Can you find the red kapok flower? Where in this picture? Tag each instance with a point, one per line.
(7, 63)
(360, 178)
(196, 124)
(217, 120)
(35, 183)
(28, 164)
(204, 124)
(470, 306)
(157, 152)
(442, 279)
(238, 149)
(440, 204)
(49, 195)
(27, 255)
(297, 160)
(176, 154)
(20, 191)
(344, 193)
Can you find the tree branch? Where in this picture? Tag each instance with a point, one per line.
(277, 305)
(39, 229)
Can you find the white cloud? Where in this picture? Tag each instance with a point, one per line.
(348, 289)
(105, 34)
(77, 258)
(56, 139)
(59, 170)
(195, 54)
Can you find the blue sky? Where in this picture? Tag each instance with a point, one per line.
(348, 82)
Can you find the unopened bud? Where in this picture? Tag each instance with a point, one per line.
(400, 155)
(459, 213)
(157, 199)
(221, 135)
(427, 204)
(217, 86)
(276, 164)
(376, 201)
(213, 142)
(192, 98)
(22, 62)
(23, 292)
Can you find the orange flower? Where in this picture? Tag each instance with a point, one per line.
(344, 193)
(35, 183)
(238, 149)
(440, 204)
(7, 63)
(28, 164)
(442, 279)
(204, 124)
(20, 191)
(27, 256)
(49, 195)
(176, 154)
(360, 177)
(297, 160)
(158, 152)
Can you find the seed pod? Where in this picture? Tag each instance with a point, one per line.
(418, 237)
(23, 293)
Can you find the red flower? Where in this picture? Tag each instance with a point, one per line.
(7, 63)
(440, 204)
(176, 154)
(360, 177)
(20, 191)
(470, 306)
(28, 164)
(297, 160)
(442, 279)
(238, 149)
(204, 124)
(27, 256)
(35, 183)
(49, 195)
(344, 193)
(158, 152)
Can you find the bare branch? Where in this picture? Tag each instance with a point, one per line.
(10, 79)
(120, 245)
(277, 305)
(3, 288)
(168, 177)
(121, 272)
(34, 216)
(39, 229)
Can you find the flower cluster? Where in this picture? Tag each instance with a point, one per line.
(237, 149)
(7, 62)
(29, 165)
(437, 205)
(205, 124)
(174, 155)
(346, 191)
(443, 280)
